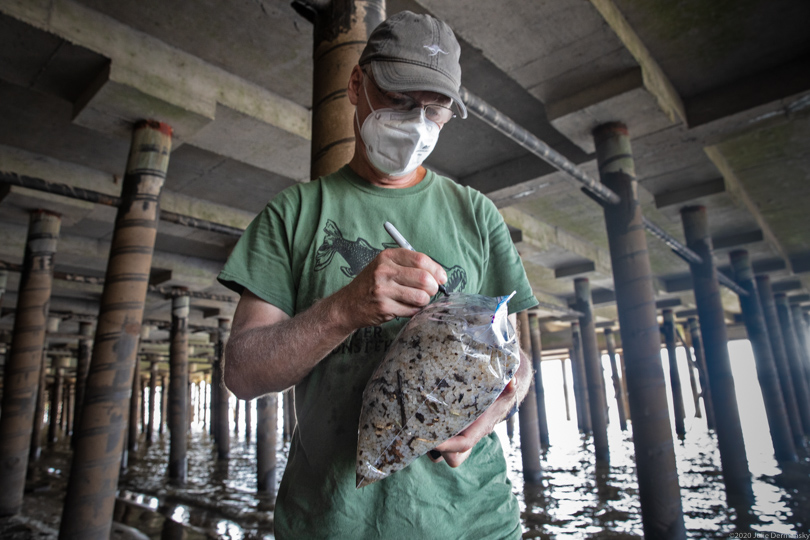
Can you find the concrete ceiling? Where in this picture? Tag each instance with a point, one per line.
(716, 96)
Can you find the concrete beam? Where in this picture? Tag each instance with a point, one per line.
(667, 303)
(574, 269)
(786, 286)
(736, 240)
(624, 96)
(680, 196)
(147, 78)
(655, 80)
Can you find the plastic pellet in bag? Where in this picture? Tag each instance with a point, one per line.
(447, 365)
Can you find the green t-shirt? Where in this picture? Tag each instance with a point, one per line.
(311, 240)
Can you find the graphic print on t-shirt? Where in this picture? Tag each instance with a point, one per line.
(358, 253)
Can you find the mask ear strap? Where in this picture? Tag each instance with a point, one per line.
(365, 92)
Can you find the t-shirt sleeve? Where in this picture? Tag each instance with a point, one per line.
(261, 261)
(504, 270)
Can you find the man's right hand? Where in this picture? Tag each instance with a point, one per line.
(397, 283)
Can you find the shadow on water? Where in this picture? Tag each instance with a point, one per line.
(576, 499)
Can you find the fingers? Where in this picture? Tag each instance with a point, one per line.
(415, 260)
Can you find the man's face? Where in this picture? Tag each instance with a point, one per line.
(436, 106)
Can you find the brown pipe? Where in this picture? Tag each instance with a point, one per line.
(93, 482)
(23, 367)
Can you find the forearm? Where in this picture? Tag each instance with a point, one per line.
(274, 357)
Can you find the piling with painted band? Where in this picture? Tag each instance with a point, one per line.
(696, 338)
(674, 375)
(341, 31)
(93, 482)
(527, 416)
(768, 305)
(223, 436)
(150, 424)
(794, 359)
(24, 360)
(733, 457)
(540, 394)
(781, 434)
(266, 427)
(592, 360)
(85, 350)
(610, 342)
(659, 491)
(178, 390)
(580, 382)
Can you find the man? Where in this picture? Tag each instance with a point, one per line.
(322, 299)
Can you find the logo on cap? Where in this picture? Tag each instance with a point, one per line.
(435, 49)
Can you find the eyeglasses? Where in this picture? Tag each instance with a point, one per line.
(404, 103)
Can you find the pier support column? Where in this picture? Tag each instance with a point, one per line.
(38, 424)
(593, 368)
(703, 373)
(57, 404)
(580, 382)
(85, 350)
(800, 328)
(794, 359)
(781, 434)
(610, 342)
(134, 409)
(527, 416)
(248, 421)
(23, 367)
(223, 435)
(733, 458)
(768, 305)
(565, 388)
(289, 414)
(341, 30)
(153, 374)
(540, 394)
(674, 374)
(178, 389)
(93, 482)
(266, 428)
(659, 491)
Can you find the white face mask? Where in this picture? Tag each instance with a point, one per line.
(397, 142)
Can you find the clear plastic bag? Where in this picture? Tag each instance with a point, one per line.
(447, 365)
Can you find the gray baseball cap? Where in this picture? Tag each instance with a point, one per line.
(410, 52)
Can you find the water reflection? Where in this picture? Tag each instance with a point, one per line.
(576, 499)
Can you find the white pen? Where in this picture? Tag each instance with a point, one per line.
(401, 242)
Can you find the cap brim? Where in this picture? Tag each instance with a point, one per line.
(406, 77)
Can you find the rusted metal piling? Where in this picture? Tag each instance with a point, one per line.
(164, 404)
(659, 491)
(592, 359)
(580, 385)
(153, 373)
(341, 31)
(794, 359)
(94, 472)
(223, 434)
(703, 374)
(565, 388)
(178, 389)
(781, 434)
(691, 366)
(674, 375)
(768, 305)
(540, 394)
(24, 361)
(527, 417)
(85, 350)
(236, 416)
(248, 421)
(289, 413)
(610, 342)
(134, 410)
(733, 457)
(266, 426)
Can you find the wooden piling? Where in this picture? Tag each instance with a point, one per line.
(93, 481)
(659, 491)
(23, 367)
(674, 374)
(733, 458)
